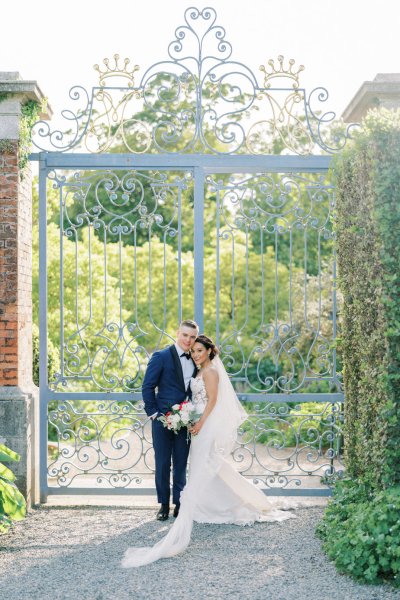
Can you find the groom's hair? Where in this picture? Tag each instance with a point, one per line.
(189, 323)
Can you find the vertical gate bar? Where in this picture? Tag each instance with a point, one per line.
(334, 309)
(276, 283)
(180, 298)
(233, 314)
(305, 281)
(262, 315)
(199, 247)
(291, 279)
(61, 279)
(246, 318)
(43, 372)
(217, 281)
(319, 283)
(120, 278)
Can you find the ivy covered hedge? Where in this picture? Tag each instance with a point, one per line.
(360, 528)
(368, 247)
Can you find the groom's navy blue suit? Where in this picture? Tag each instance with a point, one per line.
(164, 386)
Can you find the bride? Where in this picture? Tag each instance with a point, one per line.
(215, 492)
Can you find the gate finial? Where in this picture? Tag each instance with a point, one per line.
(116, 70)
(281, 71)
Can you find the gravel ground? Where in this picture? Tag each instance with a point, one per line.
(74, 553)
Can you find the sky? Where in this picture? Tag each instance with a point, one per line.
(341, 43)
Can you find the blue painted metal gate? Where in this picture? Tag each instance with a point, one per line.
(197, 191)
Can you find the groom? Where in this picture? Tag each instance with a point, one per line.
(166, 383)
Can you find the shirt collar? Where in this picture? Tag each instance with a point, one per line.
(179, 350)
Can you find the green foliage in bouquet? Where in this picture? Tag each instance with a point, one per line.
(12, 502)
(361, 532)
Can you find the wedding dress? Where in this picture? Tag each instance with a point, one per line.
(215, 492)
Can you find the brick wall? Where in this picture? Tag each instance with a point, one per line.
(15, 272)
(19, 401)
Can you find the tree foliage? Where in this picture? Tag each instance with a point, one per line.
(110, 283)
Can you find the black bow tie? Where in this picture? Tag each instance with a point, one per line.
(186, 354)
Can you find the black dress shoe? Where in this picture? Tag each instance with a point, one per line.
(176, 510)
(163, 513)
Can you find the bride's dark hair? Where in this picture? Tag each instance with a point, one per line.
(207, 343)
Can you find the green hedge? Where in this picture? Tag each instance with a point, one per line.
(53, 357)
(361, 526)
(368, 244)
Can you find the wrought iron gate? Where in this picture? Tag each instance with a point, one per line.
(200, 193)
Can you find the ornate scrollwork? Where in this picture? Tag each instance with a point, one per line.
(104, 347)
(123, 227)
(260, 218)
(198, 100)
(291, 443)
(205, 41)
(109, 445)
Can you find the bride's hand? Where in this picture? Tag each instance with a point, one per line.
(194, 430)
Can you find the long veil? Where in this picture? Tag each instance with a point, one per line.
(228, 413)
(213, 445)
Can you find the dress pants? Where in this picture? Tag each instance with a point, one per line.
(170, 447)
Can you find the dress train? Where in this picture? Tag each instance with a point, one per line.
(215, 492)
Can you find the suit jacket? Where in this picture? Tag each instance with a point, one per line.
(163, 384)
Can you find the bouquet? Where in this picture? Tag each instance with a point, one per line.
(180, 415)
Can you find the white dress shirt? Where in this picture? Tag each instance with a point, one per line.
(187, 366)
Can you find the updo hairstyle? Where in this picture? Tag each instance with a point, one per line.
(207, 343)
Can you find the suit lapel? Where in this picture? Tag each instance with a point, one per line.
(178, 366)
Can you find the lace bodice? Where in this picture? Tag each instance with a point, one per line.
(199, 394)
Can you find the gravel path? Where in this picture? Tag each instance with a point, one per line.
(74, 553)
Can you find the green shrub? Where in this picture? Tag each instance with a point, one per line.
(361, 532)
(12, 502)
(53, 364)
(294, 424)
(53, 358)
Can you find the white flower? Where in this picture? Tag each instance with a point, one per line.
(174, 419)
(185, 418)
(175, 407)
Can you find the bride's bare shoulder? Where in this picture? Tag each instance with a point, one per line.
(210, 374)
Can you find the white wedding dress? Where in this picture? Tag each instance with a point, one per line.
(215, 492)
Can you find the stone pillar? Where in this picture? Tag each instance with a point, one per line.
(18, 395)
(382, 92)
